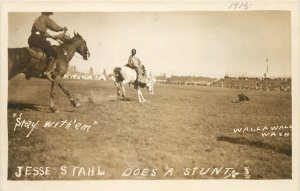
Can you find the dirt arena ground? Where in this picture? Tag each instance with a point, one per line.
(184, 128)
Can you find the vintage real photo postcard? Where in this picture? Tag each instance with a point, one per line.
(169, 96)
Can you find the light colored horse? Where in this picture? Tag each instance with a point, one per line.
(124, 75)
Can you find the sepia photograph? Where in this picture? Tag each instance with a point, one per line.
(149, 95)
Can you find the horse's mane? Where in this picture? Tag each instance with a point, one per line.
(66, 39)
(69, 40)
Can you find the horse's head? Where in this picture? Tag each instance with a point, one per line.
(81, 47)
(150, 85)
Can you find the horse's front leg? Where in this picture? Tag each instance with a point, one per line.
(62, 86)
(152, 88)
(140, 95)
(151, 91)
(52, 94)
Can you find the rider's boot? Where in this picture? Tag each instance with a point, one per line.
(47, 73)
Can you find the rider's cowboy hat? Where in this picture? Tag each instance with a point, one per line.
(47, 13)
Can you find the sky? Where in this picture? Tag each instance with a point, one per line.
(202, 43)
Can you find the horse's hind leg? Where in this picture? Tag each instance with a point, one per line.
(67, 93)
(123, 90)
(52, 94)
(118, 88)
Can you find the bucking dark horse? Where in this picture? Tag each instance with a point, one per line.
(30, 62)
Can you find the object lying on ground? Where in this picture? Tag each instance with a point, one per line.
(241, 97)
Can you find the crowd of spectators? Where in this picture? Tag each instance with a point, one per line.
(262, 84)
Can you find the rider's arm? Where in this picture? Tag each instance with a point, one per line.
(53, 26)
(47, 35)
(55, 37)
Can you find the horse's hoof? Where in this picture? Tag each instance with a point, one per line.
(56, 111)
(75, 104)
(27, 77)
(53, 110)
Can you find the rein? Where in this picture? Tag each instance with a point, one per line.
(74, 42)
(66, 55)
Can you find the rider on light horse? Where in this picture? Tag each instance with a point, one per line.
(38, 37)
(135, 63)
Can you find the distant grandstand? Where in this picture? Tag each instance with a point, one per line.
(262, 84)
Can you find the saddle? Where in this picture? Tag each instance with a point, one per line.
(38, 54)
(39, 58)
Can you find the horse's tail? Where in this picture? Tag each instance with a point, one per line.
(118, 75)
(117, 70)
(18, 61)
